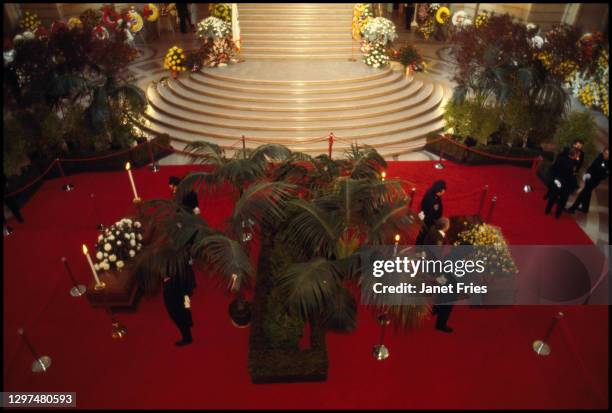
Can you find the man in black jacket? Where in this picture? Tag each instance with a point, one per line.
(189, 200)
(563, 181)
(597, 172)
(431, 208)
(578, 144)
(176, 290)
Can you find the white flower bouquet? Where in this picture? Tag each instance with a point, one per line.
(380, 30)
(375, 54)
(117, 244)
(213, 28)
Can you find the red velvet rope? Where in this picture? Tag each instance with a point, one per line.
(535, 160)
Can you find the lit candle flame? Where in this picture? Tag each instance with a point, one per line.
(127, 166)
(383, 174)
(84, 249)
(397, 237)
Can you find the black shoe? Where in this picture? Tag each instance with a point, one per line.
(570, 210)
(584, 211)
(434, 311)
(183, 342)
(444, 329)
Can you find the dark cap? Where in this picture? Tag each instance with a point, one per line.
(174, 180)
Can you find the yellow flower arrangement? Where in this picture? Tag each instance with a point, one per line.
(74, 22)
(442, 15)
(481, 20)
(151, 12)
(362, 15)
(30, 21)
(136, 21)
(175, 59)
(490, 245)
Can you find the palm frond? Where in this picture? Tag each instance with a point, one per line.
(263, 202)
(309, 287)
(270, 153)
(311, 228)
(225, 256)
(204, 152)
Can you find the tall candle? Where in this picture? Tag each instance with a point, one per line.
(397, 238)
(93, 270)
(384, 175)
(127, 167)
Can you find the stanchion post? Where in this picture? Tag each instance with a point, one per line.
(380, 351)
(331, 144)
(440, 165)
(66, 187)
(244, 146)
(485, 189)
(154, 165)
(491, 207)
(412, 193)
(77, 289)
(59, 166)
(541, 347)
(40, 364)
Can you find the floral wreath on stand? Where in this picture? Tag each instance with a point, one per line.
(377, 34)
(218, 48)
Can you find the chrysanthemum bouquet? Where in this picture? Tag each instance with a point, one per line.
(175, 59)
(213, 28)
(490, 246)
(118, 244)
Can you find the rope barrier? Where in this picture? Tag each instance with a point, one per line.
(329, 138)
(33, 182)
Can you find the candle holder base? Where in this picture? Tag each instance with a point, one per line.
(541, 348)
(68, 187)
(78, 290)
(155, 167)
(41, 365)
(7, 231)
(380, 352)
(100, 286)
(137, 200)
(119, 331)
(439, 165)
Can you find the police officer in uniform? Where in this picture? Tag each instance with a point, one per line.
(177, 290)
(563, 181)
(431, 208)
(597, 172)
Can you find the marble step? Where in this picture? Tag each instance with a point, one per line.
(281, 28)
(318, 36)
(270, 56)
(203, 78)
(355, 112)
(389, 143)
(248, 48)
(188, 120)
(245, 96)
(327, 16)
(297, 106)
(299, 44)
(310, 75)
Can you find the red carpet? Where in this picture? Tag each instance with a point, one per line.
(486, 363)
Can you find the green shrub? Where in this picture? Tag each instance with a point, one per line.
(472, 118)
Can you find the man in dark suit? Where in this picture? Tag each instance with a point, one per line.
(189, 201)
(409, 10)
(176, 290)
(434, 241)
(431, 208)
(578, 144)
(563, 181)
(597, 172)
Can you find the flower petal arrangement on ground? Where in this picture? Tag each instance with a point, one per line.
(218, 48)
(118, 244)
